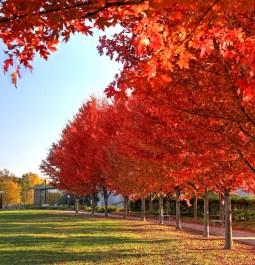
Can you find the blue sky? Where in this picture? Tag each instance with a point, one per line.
(34, 114)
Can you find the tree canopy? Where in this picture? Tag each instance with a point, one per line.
(165, 35)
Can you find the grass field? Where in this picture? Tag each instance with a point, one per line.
(45, 237)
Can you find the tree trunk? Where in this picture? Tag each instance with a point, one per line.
(143, 218)
(125, 207)
(228, 221)
(94, 197)
(128, 203)
(195, 207)
(105, 192)
(168, 208)
(161, 209)
(77, 205)
(221, 201)
(178, 210)
(206, 213)
(150, 205)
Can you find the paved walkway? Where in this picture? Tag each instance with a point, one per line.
(244, 237)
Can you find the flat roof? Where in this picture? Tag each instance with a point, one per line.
(42, 187)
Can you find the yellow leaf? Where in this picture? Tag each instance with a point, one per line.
(14, 78)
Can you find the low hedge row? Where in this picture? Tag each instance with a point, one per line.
(243, 208)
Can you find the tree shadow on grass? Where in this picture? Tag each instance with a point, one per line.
(84, 249)
(56, 228)
(41, 229)
(52, 257)
(80, 241)
(39, 238)
(44, 238)
(41, 223)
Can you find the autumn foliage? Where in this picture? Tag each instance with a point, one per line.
(18, 190)
(182, 117)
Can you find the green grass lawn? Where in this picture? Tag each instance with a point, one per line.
(45, 237)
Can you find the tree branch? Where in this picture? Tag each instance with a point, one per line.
(199, 113)
(192, 185)
(74, 6)
(249, 166)
(247, 134)
(203, 16)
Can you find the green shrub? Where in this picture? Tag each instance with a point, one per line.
(243, 208)
(86, 208)
(111, 209)
(100, 209)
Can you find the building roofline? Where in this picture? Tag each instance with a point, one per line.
(42, 187)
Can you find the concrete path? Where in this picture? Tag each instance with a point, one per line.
(244, 237)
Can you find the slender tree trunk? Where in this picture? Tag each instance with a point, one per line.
(221, 201)
(178, 210)
(168, 208)
(94, 197)
(125, 207)
(228, 221)
(206, 213)
(143, 218)
(77, 205)
(128, 204)
(150, 205)
(195, 207)
(105, 192)
(161, 209)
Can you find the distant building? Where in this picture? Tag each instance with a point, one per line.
(113, 200)
(45, 195)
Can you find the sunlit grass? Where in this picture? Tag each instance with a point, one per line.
(44, 237)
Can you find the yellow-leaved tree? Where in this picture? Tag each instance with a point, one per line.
(11, 192)
(27, 181)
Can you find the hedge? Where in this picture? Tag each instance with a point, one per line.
(243, 208)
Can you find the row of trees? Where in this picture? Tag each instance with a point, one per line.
(17, 190)
(137, 147)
